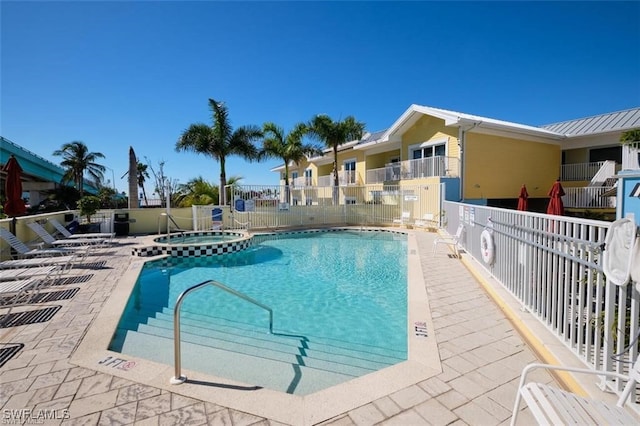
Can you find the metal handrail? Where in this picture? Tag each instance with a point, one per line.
(179, 378)
(170, 218)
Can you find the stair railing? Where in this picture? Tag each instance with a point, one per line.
(178, 378)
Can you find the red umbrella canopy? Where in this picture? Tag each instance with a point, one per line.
(14, 205)
(555, 203)
(523, 199)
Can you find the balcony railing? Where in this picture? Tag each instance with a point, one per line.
(414, 169)
(588, 197)
(348, 177)
(579, 171)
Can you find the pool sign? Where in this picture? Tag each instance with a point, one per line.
(420, 328)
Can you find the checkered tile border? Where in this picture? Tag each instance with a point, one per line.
(233, 246)
(193, 250)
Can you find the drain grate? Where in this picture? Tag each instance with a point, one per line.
(9, 352)
(30, 317)
(51, 296)
(77, 279)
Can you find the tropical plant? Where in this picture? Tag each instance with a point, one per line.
(142, 176)
(196, 192)
(631, 138)
(77, 160)
(286, 146)
(88, 206)
(333, 134)
(220, 141)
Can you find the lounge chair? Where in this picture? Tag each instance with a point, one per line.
(24, 251)
(551, 405)
(49, 239)
(403, 220)
(64, 261)
(65, 232)
(428, 221)
(450, 241)
(26, 273)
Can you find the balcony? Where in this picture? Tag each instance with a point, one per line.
(345, 178)
(588, 197)
(414, 169)
(579, 171)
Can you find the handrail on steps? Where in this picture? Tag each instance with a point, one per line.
(179, 378)
(169, 218)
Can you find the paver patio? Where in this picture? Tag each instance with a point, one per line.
(481, 353)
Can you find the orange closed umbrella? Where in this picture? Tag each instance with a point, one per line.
(523, 199)
(14, 204)
(556, 206)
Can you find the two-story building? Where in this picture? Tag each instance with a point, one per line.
(481, 160)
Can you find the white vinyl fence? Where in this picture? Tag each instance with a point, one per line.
(552, 265)
(272, 207)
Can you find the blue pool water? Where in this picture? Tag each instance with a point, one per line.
(335, 296)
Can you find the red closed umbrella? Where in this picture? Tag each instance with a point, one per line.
(555, 203)
(523, 199)
(14, 204)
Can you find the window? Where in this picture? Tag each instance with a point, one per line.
(430, 151)
(349, 172)
(294, 176)
(308, 181)
(349, 200)
(431, 154)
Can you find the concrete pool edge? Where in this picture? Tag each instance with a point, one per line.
(423, 361)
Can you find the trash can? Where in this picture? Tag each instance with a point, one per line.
(121, 224)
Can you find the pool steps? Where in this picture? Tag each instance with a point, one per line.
(220, 339)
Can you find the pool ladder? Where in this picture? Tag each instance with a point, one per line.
(178, 378)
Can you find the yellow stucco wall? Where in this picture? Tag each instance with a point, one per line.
(496, 167)
(575, 156)
(430, 128)
(378, 161)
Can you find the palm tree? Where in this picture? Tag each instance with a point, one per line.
(197, 191)
(143, 175)
(333, 134)
(631, 138)
(77, 160)
(286, 146)
(220, 141)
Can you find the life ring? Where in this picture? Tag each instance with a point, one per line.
(487, 249)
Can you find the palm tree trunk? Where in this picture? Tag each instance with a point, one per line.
(336, 181)
(222, 197)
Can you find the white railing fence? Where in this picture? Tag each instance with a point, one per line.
(414, 169)
(588, 197)
(579, 171)
(552, 265)
(271, 207)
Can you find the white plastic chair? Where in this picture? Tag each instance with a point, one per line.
(550, 405)
(452, 241)
(403, 219)
(428, 221)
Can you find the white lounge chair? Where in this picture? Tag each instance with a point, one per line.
(25, 251)
(428, 221)
(550, 405)
(49, 239)
(403, 220)
(26, 273)
(65, 232)
(452, 241)
(63, 261)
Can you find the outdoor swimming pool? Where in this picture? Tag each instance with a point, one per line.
(339, 300)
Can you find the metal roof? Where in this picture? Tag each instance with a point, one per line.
(611, 122)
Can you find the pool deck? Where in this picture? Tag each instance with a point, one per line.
(481, 356)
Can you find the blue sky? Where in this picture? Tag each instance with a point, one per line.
(119, 74)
